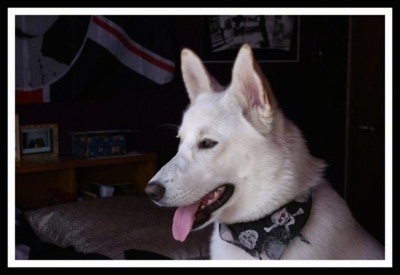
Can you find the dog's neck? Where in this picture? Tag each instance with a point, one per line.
(272, 233)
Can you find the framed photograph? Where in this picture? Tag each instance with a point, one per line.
(17, 140)
(273, 38)
(39, 141)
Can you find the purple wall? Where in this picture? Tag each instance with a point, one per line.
(311, 92)
(145, 111)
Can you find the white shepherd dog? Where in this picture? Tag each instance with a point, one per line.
(246, 168)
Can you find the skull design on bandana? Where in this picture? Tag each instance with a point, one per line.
(248, 238)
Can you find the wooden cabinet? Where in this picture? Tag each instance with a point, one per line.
(36, 182)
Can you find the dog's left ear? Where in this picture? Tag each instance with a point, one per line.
(250, 87)
(195, 76)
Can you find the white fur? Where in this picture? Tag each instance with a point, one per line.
(264, 155)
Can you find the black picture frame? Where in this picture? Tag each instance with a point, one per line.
(39, 141)
(274, 38)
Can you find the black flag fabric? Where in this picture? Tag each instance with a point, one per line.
(64, 58)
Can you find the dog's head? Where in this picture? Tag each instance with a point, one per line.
(232, 153)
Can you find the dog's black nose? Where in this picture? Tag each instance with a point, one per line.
(155, 191)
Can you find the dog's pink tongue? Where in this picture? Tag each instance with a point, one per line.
(183, 221)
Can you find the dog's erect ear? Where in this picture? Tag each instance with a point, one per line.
(195, 76)
(250, 87)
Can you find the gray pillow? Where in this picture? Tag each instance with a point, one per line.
(112, 225)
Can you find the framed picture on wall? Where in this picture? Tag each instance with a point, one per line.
(39, 141)
(273, 38)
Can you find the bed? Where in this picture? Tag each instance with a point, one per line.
(111, 228)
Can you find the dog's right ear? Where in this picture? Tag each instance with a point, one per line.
(195, 75)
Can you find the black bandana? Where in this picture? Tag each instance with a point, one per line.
(272, 233)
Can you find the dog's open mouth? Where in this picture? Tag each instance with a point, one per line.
(193, 216)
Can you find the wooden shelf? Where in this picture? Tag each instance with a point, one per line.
(35, 181)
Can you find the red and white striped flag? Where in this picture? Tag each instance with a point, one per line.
(116, 54)
(129, 52)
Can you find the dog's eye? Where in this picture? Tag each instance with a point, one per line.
(207, 144)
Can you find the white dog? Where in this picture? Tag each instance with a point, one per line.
(244, 167)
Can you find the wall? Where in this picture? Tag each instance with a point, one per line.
(311, 92)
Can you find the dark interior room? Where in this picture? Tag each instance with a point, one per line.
(83, 83)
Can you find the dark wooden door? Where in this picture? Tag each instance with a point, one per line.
(365, 146)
